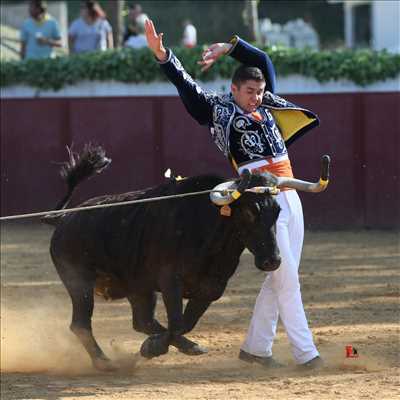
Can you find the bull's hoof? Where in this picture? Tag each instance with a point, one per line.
(104, 365)
(188, 347)
(196, 350)
(154, 346)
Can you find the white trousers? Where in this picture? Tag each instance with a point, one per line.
(280, 293)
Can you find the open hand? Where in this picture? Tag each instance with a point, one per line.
(154, 40)
(212, 54)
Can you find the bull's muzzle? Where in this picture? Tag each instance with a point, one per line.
(270, 264)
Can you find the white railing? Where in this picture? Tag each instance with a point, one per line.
(293, 84)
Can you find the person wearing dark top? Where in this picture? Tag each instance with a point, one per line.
(253, 127)
(134, 24)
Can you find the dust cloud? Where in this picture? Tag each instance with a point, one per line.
(38, 340)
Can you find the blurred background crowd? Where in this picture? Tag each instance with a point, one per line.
(40, 29)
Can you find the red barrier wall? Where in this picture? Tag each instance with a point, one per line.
(146, 135)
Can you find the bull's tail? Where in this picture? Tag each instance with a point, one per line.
(78, 168)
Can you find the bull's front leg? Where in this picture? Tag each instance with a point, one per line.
(194, 309)
(210, 290)
(156, 345)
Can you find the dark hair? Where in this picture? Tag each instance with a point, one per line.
(245, 73)
(39, 4)
(94, 9)
(135, 5)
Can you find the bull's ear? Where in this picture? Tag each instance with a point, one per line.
(245, 177)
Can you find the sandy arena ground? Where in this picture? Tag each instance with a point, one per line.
(350, 286)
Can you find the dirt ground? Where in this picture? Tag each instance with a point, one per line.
(350, 283)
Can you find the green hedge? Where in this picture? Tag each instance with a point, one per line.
(125, 65)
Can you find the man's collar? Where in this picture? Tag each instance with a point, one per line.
(239, 109)
(245, 112)
(43, 18)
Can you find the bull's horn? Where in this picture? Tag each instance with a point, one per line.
(314, 187)
(222, 193)
(227, 192)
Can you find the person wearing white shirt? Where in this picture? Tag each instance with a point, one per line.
(138, 41)
(189, 34)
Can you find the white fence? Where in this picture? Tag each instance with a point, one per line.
(293, 84)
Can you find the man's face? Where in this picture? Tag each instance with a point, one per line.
(34, 11)
(248, 95)
(84, 12)
(134, 12)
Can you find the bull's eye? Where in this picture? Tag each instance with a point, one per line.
(253, 213)
(249, 215)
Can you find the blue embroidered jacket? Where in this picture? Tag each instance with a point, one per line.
(240, 137)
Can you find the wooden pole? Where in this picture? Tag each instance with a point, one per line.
(250, 15)
(116, 8)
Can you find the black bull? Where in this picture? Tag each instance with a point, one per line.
(183, 248)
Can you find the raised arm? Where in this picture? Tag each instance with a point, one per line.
(246, 54)
(197, 102)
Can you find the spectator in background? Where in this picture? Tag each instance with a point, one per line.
(91, 31)
(189, 38)
(40, 33)
(139, 40)
(136, 19)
